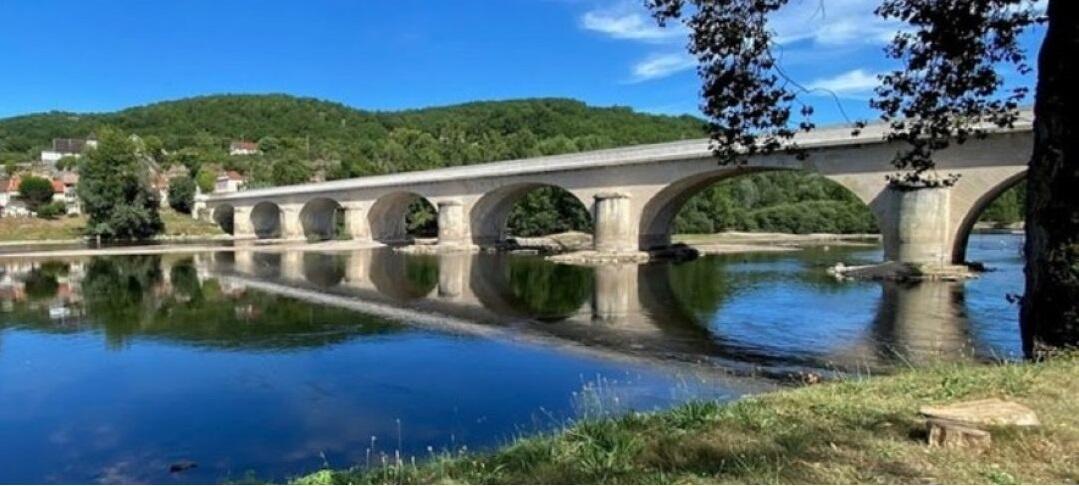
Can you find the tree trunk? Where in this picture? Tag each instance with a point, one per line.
(1049, 317)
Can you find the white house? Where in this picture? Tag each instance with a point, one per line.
(243, 148)
(230, 181)
(10, 205)
(66, 147)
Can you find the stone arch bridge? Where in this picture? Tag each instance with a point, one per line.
(634, 193)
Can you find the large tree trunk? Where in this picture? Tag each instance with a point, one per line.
(1050, 307)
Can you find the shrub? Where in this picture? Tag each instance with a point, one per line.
(52, 210)
(182, 194)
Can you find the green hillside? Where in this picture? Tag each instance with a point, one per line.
(472, 132)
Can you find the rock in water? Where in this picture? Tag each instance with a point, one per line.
(181, 466)
(984, 412)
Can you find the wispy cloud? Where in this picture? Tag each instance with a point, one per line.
(856, 83)
(661, 65)
(626, 22)
(830, 29)
(835, 23)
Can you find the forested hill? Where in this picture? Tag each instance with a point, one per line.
(471, 132)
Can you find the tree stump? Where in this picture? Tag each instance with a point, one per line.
(956, 435)
(958, 425)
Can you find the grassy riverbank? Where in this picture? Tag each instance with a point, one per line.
(72, 228)
(854, 431)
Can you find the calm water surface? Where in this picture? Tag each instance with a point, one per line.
(259, 365)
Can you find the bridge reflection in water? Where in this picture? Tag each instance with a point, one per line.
(656, 311)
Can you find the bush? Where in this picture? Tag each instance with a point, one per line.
(52, 210)
(35, 192)
(182, 194)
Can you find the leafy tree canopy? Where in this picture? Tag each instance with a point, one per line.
(35, 192)
(115, 190)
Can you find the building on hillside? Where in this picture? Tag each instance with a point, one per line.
(230, 181)
(69, 181)
(241, 147)
(10, 205)
(67, 147)
(162, 181)
(7, 193)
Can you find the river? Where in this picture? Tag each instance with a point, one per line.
(254, 365)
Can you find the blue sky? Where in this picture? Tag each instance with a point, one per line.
(105, 55)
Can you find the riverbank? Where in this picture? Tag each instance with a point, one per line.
(861, 430)
(67, 230)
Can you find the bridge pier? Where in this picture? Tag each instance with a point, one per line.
(291, 224)
(242, 226)
(452, 225)
(356, 225)
(614, 231)
(916, 226)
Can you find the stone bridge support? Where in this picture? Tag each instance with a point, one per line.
(615, 227)
(453, 231)
(242, 226)
(356, 225)
(291, 224)
(916, 225)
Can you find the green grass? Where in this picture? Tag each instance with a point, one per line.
(853, 431)
(178, 224)
(72, 228)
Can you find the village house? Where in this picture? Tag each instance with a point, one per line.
(243, 148)
(10, 205)
(67, 147)
(230, 181)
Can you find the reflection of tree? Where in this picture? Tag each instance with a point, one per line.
(404, 277)
(324, 269)
(40, 285)
(701, 286)
(120, 297)
(117, 296)
(185, 281)
(548, 291)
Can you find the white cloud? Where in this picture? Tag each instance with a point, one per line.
(856, 83)
(832, 23)
(662, 65)
(627, 21)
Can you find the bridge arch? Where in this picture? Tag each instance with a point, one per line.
(389, 217)
(971, 216)
(266, 220)
(489, 218)
(659, 213)
(225, 217)
(321, 218)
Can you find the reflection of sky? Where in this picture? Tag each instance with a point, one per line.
(793, 320)
(82, 413)
(996, 321)
(776, 307)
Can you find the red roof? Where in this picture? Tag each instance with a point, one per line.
(58, 186)
(244, 146)
(234, 175)
(12, 185)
